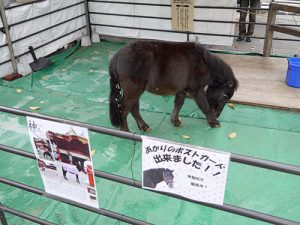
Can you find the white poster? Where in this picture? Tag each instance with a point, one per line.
(193, 172)
(64, 160)
(183, 15)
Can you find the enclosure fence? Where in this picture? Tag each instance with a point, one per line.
(290, 169)
(95, 16)
(195, 20)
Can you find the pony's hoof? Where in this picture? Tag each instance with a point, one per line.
(145, 128)
(215, 124)
(177, 123)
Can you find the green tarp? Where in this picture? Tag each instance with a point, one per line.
(76, 87)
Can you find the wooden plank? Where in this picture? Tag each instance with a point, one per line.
(286, 7)
(286, 30)
(269, 32)
(263, 82)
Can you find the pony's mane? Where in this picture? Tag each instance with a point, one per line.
(221, 71)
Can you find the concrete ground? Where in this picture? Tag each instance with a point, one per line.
(285, 48)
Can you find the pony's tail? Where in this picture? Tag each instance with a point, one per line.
(115, 97)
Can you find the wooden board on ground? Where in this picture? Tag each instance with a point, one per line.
(263, 81)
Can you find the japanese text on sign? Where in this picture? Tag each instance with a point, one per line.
(182, 15)
(193, 172)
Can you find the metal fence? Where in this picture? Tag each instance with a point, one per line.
(211, 22)
(11, 42)
(89, 25)
(290, 169)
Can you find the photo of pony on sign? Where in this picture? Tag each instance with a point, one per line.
(193, 172)
(64, 160)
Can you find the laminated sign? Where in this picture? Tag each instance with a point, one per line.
(193, 172)
(182, 15)
(64, 160)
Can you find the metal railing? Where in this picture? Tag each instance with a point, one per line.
(23, 215)
(6, 27)
(89, 12)
(291, 169)
(195, 20)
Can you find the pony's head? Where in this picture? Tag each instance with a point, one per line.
(219, 95)
(168, 177)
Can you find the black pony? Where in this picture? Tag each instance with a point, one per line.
(168, 68)
(153, 177)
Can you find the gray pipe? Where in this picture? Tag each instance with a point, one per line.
(8, 37)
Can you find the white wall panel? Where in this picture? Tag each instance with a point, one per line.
(138, 26)
(16, 15)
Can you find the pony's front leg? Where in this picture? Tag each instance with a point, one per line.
(201, 100)
(178, 103)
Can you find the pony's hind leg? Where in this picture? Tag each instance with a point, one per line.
(138, 118)
(178, 103)
(124, 114)
(130, 99)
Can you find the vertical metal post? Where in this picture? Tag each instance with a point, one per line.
(87, 18)
(269, 31)
(8, 37)
(2, 215)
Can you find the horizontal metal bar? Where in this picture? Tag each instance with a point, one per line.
(139, 28)
(27, 3)
(37, 47)
(266, 164)
(286, 168)
(137, 184)
(130, 3)
(195, 20)
(46, 14)
(91, 127)
(24, 215)
(16, 151)
(48, 28)
(169, 5)
(225, 207)
(100, 211)
(197, 33)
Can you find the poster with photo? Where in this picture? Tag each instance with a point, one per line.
(64, 160)
(193, 172)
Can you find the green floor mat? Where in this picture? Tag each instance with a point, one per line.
(76, 87)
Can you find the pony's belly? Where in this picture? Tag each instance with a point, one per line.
(161, 91)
